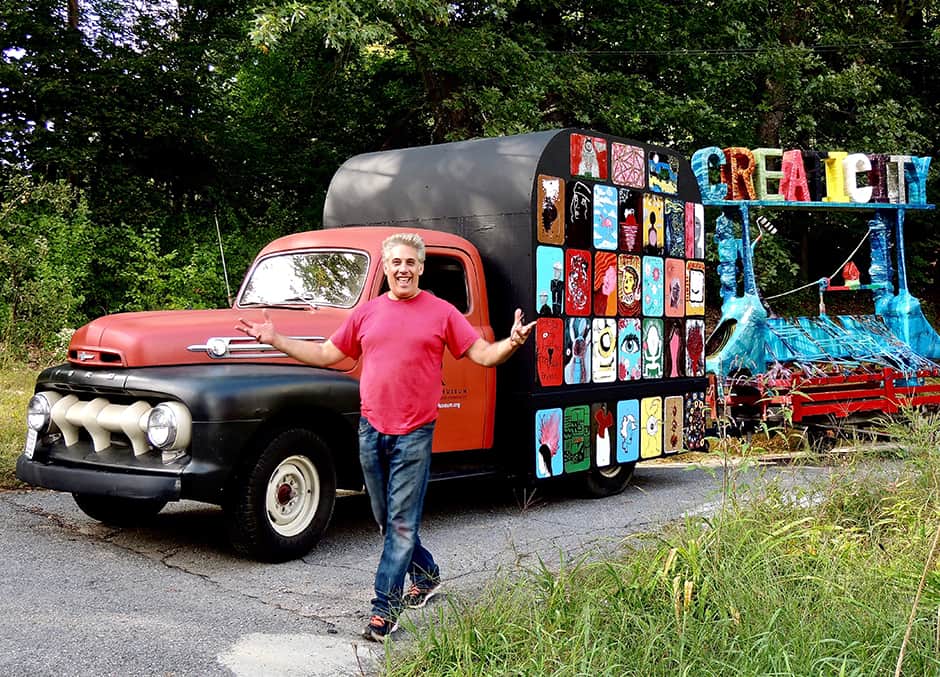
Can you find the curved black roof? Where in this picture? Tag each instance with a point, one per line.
(481, 177)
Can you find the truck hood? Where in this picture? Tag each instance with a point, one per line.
(194, 336)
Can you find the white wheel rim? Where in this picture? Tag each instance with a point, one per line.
(610, 471)
(293, 495)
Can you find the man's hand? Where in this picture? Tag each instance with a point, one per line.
(519, 333)
(262, 332)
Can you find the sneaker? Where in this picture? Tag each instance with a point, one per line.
(379, 628)
(418, 597)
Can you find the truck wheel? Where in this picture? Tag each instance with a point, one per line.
(117, 510)
(601, 482)
(282, 502)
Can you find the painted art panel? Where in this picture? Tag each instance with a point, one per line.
(653, 284)
(604, 344)
(605, 217)
(628, 431)
(672, 424)
(629, 341)
(652, 356)
(674, 352)
(549, 457)
(576, 442)
(550, 350)
(653, 217)
(674, 227)
(695, 421)
(578, 350)
(578, 282)
(651, 427)
(663, 172)
(579, 214)
(551, 227)
(695, 347)
(630, 220)
(589, 157)
(629, 285)
(605, 284)
(549, 281)
(694, 230)
(695, 288)
(675, 288)
(602, 433)
(627, 166)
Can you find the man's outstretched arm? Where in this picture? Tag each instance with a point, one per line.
(489, 354)
(316, 354)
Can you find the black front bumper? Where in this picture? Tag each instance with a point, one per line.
(99, 482)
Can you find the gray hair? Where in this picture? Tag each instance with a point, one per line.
(412, 240)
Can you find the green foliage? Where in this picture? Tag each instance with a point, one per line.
(16, 387)
(46, 248)
(821, 582)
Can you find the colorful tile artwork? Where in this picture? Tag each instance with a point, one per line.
(578, 351)
(603, 433)
(578, 282)
(605, 217)
(604, 344)
(652, 351)
(576, 443)
(653, 215)
(605, 284)
(694, 230)
(674, 227)
(551, 216)
(619, 296)
(628, 431)
(695, 288)
(629, 285)
(550, 350)
(629, 339)
(651, 427)
(549, 458)
(627, 165)
(654, 275)
(630, 220)
(695, 347)
(579, 213)
(694, 422)
(674, 291)
(663, 172)
(674, 350)
(589, 157)
(672, 424)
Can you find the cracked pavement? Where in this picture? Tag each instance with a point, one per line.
(80, 598)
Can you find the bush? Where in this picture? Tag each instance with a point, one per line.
(45, 252)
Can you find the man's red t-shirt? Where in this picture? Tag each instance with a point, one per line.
(402, 345)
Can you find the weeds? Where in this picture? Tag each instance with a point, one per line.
(840, 580)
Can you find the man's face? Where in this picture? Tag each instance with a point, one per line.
(402, 270)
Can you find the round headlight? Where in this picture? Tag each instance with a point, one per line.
(162, 426)
(38, 413)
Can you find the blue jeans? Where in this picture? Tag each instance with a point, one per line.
(396, 470)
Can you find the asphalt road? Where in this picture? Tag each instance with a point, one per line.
(79, 598)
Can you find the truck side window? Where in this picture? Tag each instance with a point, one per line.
(445, 277)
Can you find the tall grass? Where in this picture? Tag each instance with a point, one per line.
(16, 387)
(774, 585)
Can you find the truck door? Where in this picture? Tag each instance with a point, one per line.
(465, 418)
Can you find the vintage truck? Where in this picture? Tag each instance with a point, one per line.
(600, 238)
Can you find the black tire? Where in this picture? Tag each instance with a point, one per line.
(281, 502)
(602, 482)
(821, 440)
(119, 511)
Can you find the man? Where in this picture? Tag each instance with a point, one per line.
(401, 338)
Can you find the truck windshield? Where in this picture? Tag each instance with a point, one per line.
(328, 278)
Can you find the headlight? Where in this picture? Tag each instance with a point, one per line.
(169, 426)
(39, 411)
